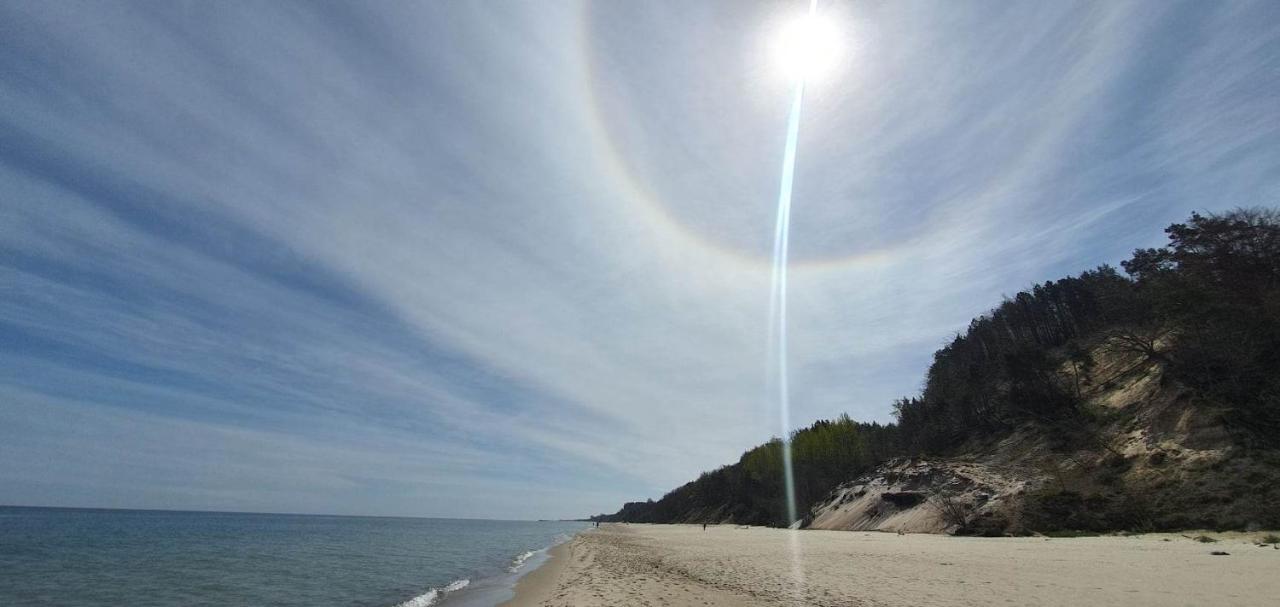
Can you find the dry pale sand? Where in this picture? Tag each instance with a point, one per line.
(681, 565)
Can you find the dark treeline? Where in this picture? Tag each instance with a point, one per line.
(1008, 368)
(1206, 306)
(1216, 291)
(751, 491)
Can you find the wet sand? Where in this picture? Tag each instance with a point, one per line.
(681, 565)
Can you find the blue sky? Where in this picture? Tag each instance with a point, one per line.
(510, 259)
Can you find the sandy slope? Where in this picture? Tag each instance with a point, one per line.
(682, 565)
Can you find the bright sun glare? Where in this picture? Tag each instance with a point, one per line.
(808, 47)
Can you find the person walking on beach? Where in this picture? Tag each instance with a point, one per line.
(704, 526)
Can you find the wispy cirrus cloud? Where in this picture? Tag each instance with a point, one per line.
(471, 260)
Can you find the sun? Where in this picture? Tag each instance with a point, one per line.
(807, 48)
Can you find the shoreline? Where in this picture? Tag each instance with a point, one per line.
(536, 585)
(499, 589)
(684, 566)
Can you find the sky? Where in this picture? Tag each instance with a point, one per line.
(512, 259)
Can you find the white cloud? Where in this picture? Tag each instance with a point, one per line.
(457, 250)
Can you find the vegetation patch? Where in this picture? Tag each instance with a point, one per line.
(1200, 315)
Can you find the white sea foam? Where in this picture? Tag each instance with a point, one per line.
(431, 596)
(518, 562)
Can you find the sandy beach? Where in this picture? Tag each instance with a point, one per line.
(682, 565)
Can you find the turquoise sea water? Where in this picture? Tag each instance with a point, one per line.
(86, 557)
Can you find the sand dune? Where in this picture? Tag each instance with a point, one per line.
(681, 565)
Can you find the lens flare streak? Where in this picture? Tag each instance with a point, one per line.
(778, 316)
(778, 296)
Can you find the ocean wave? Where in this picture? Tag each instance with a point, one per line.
(518, 562)
(431, 596)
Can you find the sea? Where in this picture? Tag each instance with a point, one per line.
(71, 557)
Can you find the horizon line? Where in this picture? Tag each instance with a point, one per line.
(188, 511)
